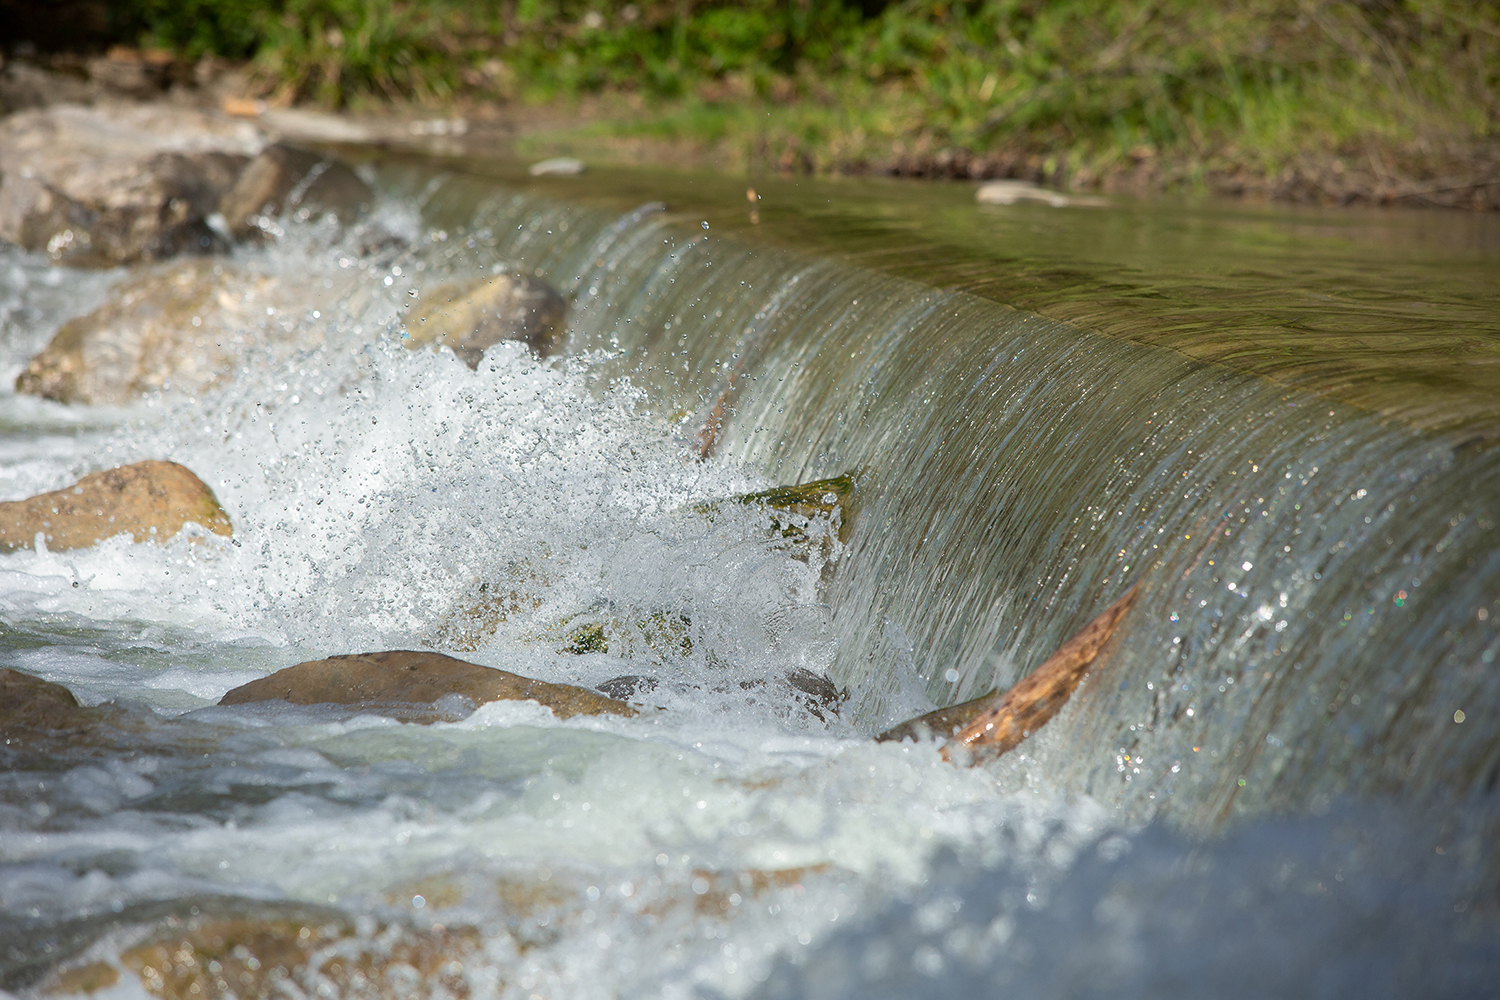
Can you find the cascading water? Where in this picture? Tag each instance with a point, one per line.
(1320, 589)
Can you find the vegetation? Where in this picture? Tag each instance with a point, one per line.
(1072, 90)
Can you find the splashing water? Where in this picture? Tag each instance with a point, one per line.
(1308, 627)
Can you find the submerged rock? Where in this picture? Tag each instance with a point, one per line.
(230, 948)
(182, 325)
(1015, 192)
(406, 677)
(284, 179)
(467, 318)
(111, 185)
(945, 722)
(150, 500)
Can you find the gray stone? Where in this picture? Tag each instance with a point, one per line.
(183, 325)
(114, 184)
(469, 317)
(286, 180)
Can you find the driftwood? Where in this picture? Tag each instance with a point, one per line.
(992, 724)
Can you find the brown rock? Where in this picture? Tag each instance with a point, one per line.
(284, 179)
(31, 706)
(405, 677)
(181, 325)
(267, 954)
(106, 186)
(151, 500)
(1026, 707)
(467, 318)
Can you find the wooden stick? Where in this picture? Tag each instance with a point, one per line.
(1024, 709)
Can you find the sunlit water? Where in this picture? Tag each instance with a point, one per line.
(1320, 594)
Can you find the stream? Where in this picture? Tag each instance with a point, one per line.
(1283, 780)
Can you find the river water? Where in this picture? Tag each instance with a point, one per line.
(1283, 780)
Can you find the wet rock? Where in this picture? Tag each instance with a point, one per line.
(987, 727)
(30, 707)
(106, 186)
(467, 318)
(180, 325)
(405, 677)
(628, 687)
(287, 180)
(150, 500)
(819, 696)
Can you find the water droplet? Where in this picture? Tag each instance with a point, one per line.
(705, 224)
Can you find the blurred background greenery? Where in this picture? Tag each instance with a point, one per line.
(1082, 87)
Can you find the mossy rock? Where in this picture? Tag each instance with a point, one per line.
(794, 508)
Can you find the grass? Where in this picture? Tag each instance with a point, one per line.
(1072, 91)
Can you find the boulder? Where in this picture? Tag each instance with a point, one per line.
(469, 317)
(111, 185)
(180, 325)
(406, 677)
(151, 500)
(286, 180)
(30, 706)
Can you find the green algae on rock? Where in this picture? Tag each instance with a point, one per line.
(151, 501)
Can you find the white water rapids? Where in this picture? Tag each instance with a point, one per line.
(727, 841)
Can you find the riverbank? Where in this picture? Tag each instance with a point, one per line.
(1296, 101)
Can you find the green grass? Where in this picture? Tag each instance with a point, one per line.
(1076, 88)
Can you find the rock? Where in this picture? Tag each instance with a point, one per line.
(794, 508)
(467, 318)
(1012, 192)
(628, 687)
(287, 180)
(558, 166)
(25, 85)
(107, 186)
(405, 677)
(180, 325)
(30, 706)
(150, 500)
(1025, 708)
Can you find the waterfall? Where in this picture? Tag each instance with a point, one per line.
(1319, 584)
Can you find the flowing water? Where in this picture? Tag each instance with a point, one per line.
(1283, 780)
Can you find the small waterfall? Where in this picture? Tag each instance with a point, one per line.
(1321, 588)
